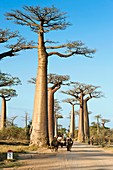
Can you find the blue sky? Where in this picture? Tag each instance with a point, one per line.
(92, 23)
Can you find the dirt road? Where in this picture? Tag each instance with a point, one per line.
(81, 157)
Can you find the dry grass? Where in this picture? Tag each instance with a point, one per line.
(16, 147)
(109, 148)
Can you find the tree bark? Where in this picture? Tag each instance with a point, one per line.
(39, 132)
(56, 126)
(51, 121)
(3, 114)
(72, 123)
(86, 122)
(50, 114)
(81, 121)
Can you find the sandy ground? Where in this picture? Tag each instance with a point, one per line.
(81, 157)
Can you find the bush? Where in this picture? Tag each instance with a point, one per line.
(13, 133)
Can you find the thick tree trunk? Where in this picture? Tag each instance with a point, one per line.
(39, 130)
(50, 114)
(81, 122)
(51, 121)
(3, 114)
(86, 122)
(72, 123)
(56, 126)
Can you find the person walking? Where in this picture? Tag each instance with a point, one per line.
(69, 144)
(54, 144)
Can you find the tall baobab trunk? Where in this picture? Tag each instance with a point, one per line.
(3, 114)
(39, 132)
(81, 121)
(50, 114)
(72, 123)
(86, 121)
(56, 126)
(51, 121)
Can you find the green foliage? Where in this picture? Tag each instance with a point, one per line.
(61, 131)
(13, 133)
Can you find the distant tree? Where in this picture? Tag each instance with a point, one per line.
(41, 21)
(98, 117)
(6, 95)
(20, 44)
(83, 93)
(78, 93)
(73, 102)
(26, 119)
(10, 121)
(103, 121)
(90, 93)
(57, 115)
(6, 80)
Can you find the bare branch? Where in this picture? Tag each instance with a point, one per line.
(8, 80)
(71, 101)
(72, 48)
(51, 18)
(55, 47)
(5, 35)
(21, 44)
(54, 79)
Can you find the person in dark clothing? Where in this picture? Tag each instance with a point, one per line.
(69, 144)
(91, 140)
(54, 144)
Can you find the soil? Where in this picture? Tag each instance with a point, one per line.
(81, 157)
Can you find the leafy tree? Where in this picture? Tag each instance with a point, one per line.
(21, 44)
(73, 102)
(41, 21)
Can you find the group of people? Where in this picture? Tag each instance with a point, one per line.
(56, 142)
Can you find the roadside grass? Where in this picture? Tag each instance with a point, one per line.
(17, 148)
(109, 148)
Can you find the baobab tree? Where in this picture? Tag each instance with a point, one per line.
(6, 80)
(78, 93)
(90, 92)
(20, 44)
(57, 81)
(83, 93)
(6, 95)
(72, 102)
(98, 117)
(57, 115)
(41, 21)
(103, 121)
